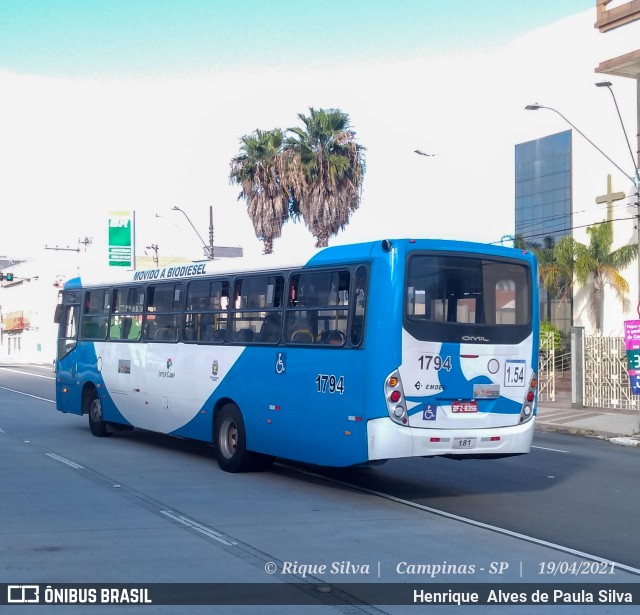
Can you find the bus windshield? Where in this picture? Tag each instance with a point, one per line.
(469, 295)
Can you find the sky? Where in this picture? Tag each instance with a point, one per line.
(158, 38)
(140, 105)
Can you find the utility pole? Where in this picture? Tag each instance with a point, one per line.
(154, 248)
(211, 232)
(86, 242)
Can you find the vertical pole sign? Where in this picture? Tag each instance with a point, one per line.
(632, 344)
(120, 235)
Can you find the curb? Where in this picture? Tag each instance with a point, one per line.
(616, 438)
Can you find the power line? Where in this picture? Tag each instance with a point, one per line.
(572, 228)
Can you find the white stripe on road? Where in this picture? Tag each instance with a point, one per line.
(51, 401)
(544, 448)
(17, 371)
(64, 460)
(194, 525)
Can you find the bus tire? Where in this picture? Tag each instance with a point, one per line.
(98, 426)
(230, 441)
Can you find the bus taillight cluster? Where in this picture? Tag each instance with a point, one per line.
(394, 394)
(527, 407)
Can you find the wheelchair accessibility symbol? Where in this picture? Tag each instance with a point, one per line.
(429, 412)
(280, 363)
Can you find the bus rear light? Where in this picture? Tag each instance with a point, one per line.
(494, 439)
(434, 439)
(529, 399)
(394, 395)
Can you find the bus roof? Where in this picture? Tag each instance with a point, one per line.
(348, 253)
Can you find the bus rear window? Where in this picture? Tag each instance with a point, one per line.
(467, 290)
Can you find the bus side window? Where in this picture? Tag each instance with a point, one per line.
(257, 309)
(359, 307)
(318, 308)
(95, 317)
(126, 316)
(163, 312)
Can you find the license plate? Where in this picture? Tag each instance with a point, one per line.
(464, 442)
(464, 406)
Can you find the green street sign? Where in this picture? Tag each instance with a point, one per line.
(120, 233)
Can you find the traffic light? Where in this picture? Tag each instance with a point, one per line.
(8, 277)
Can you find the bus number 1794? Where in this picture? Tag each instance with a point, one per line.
(436, 362)
(328, 383)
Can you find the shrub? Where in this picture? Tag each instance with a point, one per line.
(550, 336)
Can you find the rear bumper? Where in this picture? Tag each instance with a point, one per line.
(388, 440)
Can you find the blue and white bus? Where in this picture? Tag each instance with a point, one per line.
(358, 354)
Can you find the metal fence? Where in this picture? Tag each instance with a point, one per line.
(601, 374)
(546, 369)
(606, 381)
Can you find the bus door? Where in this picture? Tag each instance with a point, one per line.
(68, 390)
(320, 374)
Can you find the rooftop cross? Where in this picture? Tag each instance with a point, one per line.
(609, 198)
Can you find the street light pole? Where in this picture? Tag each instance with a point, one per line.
(207, 248)
(608, 84)
(537, 106)
(636, 183)
(634, 180)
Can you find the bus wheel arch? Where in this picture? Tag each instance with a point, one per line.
(92, 406)
(230, 438)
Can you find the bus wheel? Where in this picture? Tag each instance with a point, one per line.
(230, 439)
(97, 425)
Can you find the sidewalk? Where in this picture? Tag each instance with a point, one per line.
(619, 426)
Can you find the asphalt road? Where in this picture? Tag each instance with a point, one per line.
(151, 508)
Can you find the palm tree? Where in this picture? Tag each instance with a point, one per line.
(324, 170)
(257, 169)
(602, 266)
(556, 268)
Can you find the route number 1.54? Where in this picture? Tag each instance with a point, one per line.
(514, 373)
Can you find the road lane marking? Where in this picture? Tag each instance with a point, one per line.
(66, 461)
(51, 401)
(17, 371)
(555, 450)
(198, 527)
(472, 522)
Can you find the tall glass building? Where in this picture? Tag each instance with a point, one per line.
(543, 208)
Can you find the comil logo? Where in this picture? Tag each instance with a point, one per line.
(474, 338)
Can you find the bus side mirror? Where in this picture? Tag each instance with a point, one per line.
(57, 317)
